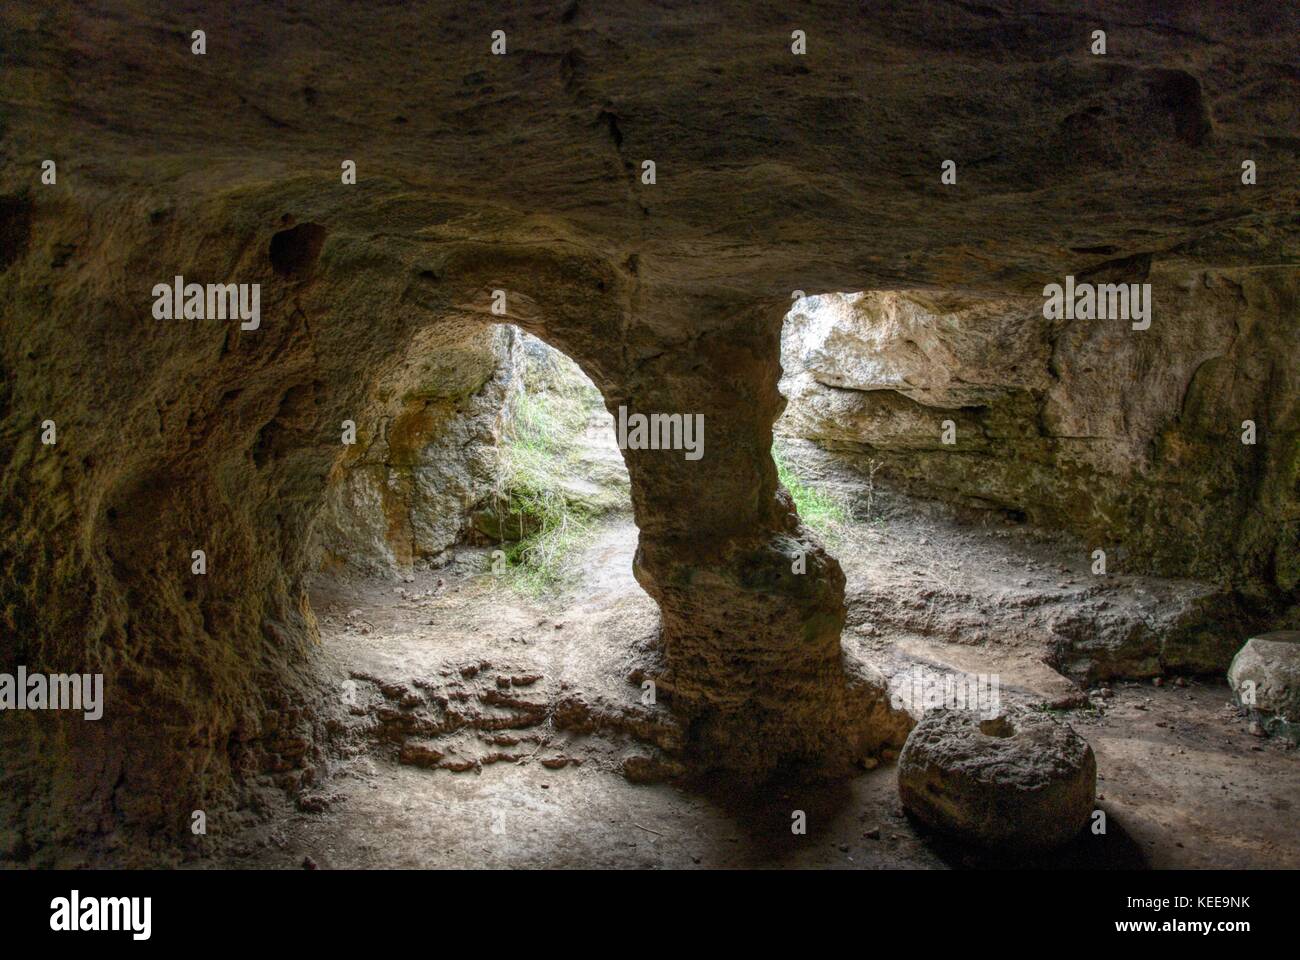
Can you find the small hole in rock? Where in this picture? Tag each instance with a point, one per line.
(15, 228)
(294, 251)
(997, 727)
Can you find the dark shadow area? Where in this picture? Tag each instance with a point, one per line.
(1113, 850)
(294, 251)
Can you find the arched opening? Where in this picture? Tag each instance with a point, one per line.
(966, 454)
(476, 592)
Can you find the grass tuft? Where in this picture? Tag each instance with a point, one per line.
(827, 514)
(538, 449)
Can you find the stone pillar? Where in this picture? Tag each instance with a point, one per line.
(752, 604)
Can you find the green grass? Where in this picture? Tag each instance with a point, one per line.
(536, 454)
(541, 562)
(826, 514)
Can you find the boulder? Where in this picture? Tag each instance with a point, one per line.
(1265, 676)
(1018, 781)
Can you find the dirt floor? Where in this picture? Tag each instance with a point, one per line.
(493, 730)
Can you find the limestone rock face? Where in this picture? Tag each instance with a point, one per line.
(1017, 781)
(406, 490)
(1130, 439)
(522, 174)
(1265, 675)
(937, 350)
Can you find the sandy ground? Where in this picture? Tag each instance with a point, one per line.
(1182, 781)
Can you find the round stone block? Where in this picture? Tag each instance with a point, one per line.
(1017, 781)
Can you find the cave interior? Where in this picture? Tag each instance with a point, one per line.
(620, 441)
